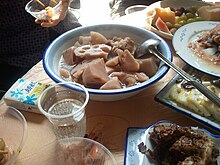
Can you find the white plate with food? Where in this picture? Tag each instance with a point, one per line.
(188, 35)
(139, 140)
(169, 10)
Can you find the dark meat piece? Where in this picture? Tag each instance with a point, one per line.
(215, 36)
(215, 32)
(122, 43)
(210, 39)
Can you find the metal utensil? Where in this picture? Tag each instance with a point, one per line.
(150, 47)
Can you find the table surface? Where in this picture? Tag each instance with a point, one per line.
(137, 111)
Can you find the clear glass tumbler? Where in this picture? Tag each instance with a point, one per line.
(65, 108)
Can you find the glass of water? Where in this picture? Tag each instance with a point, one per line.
(64, 105)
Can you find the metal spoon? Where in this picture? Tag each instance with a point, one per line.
(150, 47)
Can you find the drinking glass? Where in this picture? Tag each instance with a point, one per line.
(65, 108)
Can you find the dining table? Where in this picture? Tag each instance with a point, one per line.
(115, 117)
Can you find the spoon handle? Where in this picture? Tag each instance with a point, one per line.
(203, 89)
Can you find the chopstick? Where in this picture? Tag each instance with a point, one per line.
(38, 1)
(54, 1)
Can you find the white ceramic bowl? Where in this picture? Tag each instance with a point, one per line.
(53, 54)
(13, 131)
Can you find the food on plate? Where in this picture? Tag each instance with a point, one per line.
(185, 95)
(175, 145)
(101, 63)
(207, 46)
(4, 153)
(209, 13)
(170, 19)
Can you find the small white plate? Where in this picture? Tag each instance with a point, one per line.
(188, 33)
(175, 4)
(137, 135)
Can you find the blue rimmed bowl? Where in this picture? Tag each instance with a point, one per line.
(54, 51)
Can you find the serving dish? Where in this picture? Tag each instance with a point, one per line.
(163, 97)
(188, 33)
(136, 135)
(174, 4)
(53, 54)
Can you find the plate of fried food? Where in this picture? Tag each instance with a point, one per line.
(168, 143)
(198, 44)
(173, 14)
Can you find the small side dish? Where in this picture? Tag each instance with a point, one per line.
(175, 145)
(186, 95)
(100, 63)
(191, 33)
(175, 14)
(43, 9)
(189, 101)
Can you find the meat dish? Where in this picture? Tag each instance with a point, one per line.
(207, 46)
(100, 63)
(175, 145)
